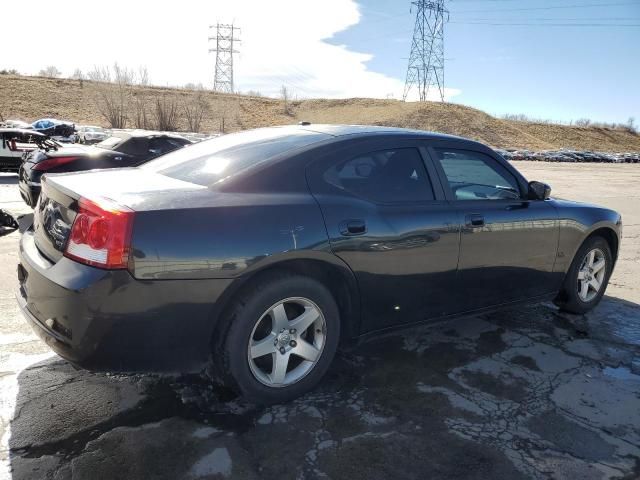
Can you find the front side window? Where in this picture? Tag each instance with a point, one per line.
(385, 176)
(476, 176)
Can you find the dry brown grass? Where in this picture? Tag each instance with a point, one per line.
(29, 98)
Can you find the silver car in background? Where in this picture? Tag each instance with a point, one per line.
(90, 134)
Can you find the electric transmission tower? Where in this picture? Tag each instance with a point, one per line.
(224, 47)
(426, 61)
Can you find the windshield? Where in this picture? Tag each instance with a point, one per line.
(211, 161)
(110, 143)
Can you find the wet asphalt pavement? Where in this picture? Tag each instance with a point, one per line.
(524, 393)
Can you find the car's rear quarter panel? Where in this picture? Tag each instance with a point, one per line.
(227, 238)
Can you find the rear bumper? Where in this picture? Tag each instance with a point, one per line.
(108, 320)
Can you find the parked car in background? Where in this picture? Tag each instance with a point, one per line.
(122, 149)
(14, 142)
(59, 130)
(261, 250)
(88, 134)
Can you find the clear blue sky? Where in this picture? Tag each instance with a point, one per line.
(537, 61)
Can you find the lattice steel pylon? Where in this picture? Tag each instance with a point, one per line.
(426, 61)
(224, 47)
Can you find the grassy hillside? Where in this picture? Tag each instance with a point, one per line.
(29, 98)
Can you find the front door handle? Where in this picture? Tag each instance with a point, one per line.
(474, 220)
(353, 227)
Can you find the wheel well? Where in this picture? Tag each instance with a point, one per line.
(610, 236)
(334, 278)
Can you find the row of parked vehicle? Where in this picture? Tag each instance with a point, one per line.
(31, 153)
(571, 156)
(61, 131)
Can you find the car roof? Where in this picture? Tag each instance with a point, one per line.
(143, 133)
(367, 130)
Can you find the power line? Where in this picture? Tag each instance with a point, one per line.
(546, 19)
(610, 25)
(556, 7)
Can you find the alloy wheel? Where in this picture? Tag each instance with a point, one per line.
(591, 275)
(286, 342)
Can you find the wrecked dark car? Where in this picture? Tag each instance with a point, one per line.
(55, 128)
(122, 149)
(14, 143)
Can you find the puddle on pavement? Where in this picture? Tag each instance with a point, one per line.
(621, 373)
(190, 397)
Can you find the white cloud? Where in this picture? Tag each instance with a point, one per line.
(282, 43)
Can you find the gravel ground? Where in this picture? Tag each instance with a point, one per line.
(524, 393)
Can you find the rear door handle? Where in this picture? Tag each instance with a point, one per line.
(353, 227)
(474, 220)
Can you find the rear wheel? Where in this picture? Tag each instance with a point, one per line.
(588, 276)
(282, 339)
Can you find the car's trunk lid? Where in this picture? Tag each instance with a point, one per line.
(52, 219)
(38, 155)
(58, 204)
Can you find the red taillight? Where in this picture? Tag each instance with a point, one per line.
(53, 162)
(101, 234)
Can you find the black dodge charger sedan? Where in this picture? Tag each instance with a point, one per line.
(260, 251)
(122, 149)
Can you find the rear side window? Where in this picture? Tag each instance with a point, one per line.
(476, 176)
(384, 176)
(134, 146)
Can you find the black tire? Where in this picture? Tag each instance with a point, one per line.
(569, 300)
(246, 312)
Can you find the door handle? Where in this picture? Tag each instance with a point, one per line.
(474, 220)
(353, 227)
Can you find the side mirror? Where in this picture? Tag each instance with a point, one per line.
(539, 191)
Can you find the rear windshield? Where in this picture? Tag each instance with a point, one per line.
(110, 143)
(211, 161)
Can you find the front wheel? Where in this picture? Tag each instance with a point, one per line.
(588, 276)
(282, 338)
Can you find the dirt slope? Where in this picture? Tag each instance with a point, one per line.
(29, 98)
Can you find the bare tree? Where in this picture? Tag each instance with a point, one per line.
(78, 75)
(141, 115)
(112, 98)
(143, 76)
(195, 107)
(100, 74)
(50, 72)
(166, 113)
(583, 122)
(193, 86)
(631, 125)
(285, 95)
